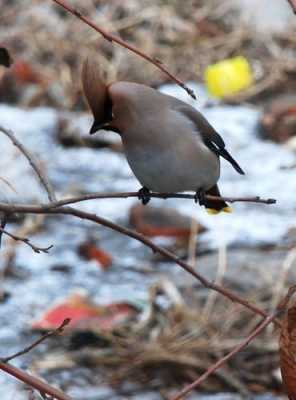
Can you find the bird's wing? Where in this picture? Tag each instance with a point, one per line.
(211, 138)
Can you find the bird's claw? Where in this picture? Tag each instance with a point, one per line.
(144, 195)
(200, 197)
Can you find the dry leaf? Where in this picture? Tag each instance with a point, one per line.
(90, 251)
(85, 315)
(25, 73)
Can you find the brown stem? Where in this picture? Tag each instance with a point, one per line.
(111, 38)
(56, 331)
(43, 179)
(131, 233)
(266, 321)
(27, 241)
(34, 382)
(293, 5)
(124, 195)
(35, 209)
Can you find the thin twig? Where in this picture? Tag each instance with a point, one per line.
(111, 38)
(30, 380)
(42, 177)
(36, 249)
(10, 208)
(49, 334)
(125, 195)
(36, 209)
(266, 321)
(293, 5)
(34, 382)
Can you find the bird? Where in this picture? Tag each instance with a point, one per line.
(169, 145)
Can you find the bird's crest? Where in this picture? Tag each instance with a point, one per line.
(95, 89)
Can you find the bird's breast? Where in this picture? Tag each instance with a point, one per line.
(173, 168)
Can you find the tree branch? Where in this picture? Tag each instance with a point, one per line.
(293, 5)
(36, 383)
(31, 208)
(111, 38)
(42, 177)
(266, 321)
(124, 195)
(49, 334)
(27, 241)
(66, 210)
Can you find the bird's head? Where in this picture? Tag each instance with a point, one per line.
(119, 106)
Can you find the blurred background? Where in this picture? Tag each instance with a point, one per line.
(142, 327)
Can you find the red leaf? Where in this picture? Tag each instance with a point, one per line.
(25, 73)
(85, 315)
(90, 251)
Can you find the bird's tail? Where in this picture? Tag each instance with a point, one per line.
(214, 206)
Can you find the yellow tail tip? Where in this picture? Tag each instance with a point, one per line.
(213, 211)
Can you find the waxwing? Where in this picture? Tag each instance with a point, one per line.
(168, 144)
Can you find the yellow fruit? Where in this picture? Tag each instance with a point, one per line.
(228, 76)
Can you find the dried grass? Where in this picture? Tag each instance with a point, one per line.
(178, 337)
(186, 38)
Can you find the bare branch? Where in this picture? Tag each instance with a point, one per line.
(293, 5)
(30, 380)
(266, 321)
(49, 334)
(124, 195)
(114, 39)
(42, 177)
(66, 210)
(36, 249)
(158, 249)
(34, 382)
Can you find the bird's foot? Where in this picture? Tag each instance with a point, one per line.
(200, 197)
(144, 195)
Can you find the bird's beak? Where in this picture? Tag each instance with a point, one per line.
(106, 126)
(96, 126)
